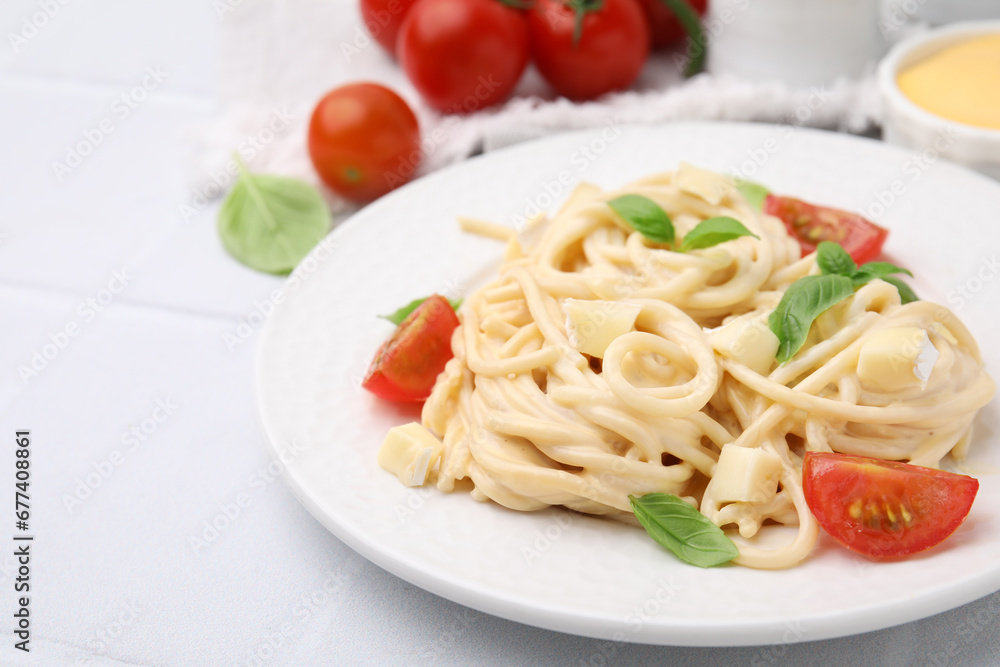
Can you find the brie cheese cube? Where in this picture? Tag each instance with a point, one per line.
(944, 332)
(745, 475)
(592, 325)
(896, 358)
(409, 452)
(581, 194)
(707, 185)
(747, 340)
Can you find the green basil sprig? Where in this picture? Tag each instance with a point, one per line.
(683, 529)
(872, 270)
(645, 216)
(401, 314)
(832, 259)
(270, 223)
(714, 231)
(807, 298)
(754, 193)
(906, 293)
(650, 220)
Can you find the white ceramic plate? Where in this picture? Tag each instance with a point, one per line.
(579, 574)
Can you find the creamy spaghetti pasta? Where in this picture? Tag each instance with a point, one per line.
(599, 364)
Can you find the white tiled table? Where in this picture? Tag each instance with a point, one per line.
(143, 421)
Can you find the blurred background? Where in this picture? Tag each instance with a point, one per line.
(164, 534)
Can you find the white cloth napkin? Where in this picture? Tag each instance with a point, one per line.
(280, 56)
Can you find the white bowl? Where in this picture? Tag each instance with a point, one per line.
(909, 125)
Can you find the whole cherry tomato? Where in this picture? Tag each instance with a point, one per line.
(463, 55)
(383, 18)
(363, 141)
(586, 48)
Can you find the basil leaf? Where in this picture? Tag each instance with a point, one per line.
(872, 270)
(754, 193)
(645, 216)
(906, 293)
(714, 231)
(801, 304)
(683, 529)
(832, 259)
(270, 223)
(401, 314)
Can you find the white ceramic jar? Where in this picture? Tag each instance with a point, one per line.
(799, 42)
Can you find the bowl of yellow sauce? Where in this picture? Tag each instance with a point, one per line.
(941, 95)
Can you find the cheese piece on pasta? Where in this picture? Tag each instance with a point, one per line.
(409, 452)
(897, 358)
(746, 475)
(747, 340)
(708, 185)
(581, 194)
(944, 332)
(592, 325)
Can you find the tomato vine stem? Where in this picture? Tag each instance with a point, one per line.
(691, 23)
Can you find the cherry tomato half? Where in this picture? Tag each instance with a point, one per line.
(406, 366)
(383, 18)
(463, 55)
(612, 47)
(363, 141)
(810, 224)
(885, 508)
(664, 27)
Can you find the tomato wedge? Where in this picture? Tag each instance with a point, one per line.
(885, 508)
(810, 224)
(406, 366)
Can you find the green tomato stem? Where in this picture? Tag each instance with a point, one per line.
(580, 9)
(696, 37)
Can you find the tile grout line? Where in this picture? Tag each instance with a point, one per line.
(69, 85)
(142, 305)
